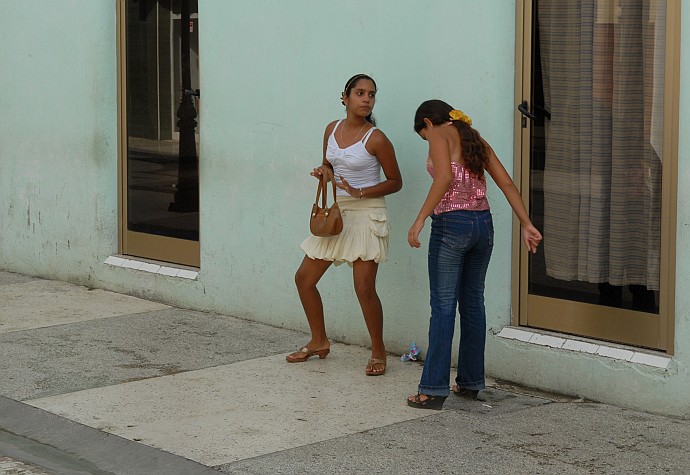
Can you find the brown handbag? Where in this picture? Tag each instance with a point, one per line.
(325, 221)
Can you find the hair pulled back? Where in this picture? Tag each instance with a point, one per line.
(474, 151)
(351, 83)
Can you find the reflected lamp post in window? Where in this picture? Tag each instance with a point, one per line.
(186, 198)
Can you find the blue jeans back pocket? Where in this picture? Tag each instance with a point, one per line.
(455, 233)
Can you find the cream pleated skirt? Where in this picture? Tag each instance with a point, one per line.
(364, 235)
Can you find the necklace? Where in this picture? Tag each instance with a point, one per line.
(360, 131)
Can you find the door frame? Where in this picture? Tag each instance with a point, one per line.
(663, 332)
(131, 243)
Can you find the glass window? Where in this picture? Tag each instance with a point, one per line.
(161, 93)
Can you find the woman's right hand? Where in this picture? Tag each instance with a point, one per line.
(413, 233)
(319, 171)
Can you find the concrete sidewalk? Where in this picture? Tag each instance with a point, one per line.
(93, 382)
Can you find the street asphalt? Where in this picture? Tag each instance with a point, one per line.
(94, 382)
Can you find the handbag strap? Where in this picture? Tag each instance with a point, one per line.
(322, 190)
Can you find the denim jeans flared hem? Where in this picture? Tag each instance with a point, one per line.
(435, 391)
(474, 386)
(445, 391)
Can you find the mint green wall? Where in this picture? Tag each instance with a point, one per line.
(271, 77)
(58, 172)
(271, 86)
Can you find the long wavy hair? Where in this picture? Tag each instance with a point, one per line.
(351, 83)
(474, 150)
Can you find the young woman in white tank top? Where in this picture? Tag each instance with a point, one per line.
(357, 152)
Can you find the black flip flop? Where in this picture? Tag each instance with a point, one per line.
(431, 402)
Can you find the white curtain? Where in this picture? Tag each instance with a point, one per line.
(602, 65)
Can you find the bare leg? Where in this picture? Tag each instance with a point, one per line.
(306, 278)
(364, 276)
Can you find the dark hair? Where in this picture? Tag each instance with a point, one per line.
(474, 150)
(351, 83)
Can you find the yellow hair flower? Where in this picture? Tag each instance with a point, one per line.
(460, 115)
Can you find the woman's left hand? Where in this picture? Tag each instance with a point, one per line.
(344, 185)
(531, 237)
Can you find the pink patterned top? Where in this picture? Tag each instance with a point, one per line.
(467, 191)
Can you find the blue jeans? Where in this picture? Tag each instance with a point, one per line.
(459, 252)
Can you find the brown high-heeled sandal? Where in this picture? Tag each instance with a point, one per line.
(370, 370)
(305, 353)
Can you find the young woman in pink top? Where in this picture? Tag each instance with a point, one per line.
(459, 247)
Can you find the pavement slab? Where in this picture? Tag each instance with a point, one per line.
(35, 442)
(250, 408)
(113, 384)
(39, 303)
(538, 438)
(7, 278)
(58, 359)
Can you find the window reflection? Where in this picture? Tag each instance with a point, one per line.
(162, 118)
(596, 157)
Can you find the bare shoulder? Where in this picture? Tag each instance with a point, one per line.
(330, 127)
(378, 138)
(488, 146)
(491, 155)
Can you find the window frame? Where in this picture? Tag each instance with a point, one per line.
(130, 243)
(666, 328)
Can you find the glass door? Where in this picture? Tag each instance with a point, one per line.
(160, 100)
(593, 121)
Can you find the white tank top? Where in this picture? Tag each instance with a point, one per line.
(360, 168)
